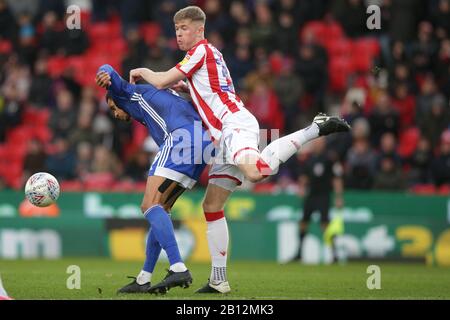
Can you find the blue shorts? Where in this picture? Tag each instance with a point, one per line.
(184, 154)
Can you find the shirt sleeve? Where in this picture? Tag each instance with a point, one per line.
(192, 61)
(118, 86)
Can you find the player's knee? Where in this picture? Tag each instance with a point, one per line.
(209, 207)
(254, 176)
(147, 205)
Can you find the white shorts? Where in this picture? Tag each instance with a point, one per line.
(240, 136)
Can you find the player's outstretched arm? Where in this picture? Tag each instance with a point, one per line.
(161, 80)
(109, 79)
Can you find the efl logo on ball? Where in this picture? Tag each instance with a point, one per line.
(42, 189)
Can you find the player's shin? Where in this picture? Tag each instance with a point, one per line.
(280, 150)
(163, 229)
(217, 235)
(152, 251)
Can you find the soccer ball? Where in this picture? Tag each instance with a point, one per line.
(42, 189)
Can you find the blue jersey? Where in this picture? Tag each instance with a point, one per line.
(159, 110)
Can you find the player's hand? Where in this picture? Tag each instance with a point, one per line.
(103, 79)
(136, 75)
(180, 86)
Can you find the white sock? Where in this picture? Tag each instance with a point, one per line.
(178, 267)
(2, 290)
(144, 277)
(217, 235)
(280, 150)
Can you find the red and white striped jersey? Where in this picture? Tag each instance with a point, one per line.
(210, 85)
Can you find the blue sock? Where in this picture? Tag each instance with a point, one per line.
(163, 229)
(152, 251)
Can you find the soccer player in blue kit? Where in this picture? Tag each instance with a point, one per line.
(175, 126)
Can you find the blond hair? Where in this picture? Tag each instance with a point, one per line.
(192, 12)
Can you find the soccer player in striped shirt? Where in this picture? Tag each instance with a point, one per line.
(233, 129)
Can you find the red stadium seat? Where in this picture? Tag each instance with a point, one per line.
(339, 70)
(42, 133)
(150, 32)
(19, 135)
(364, 51)
(317, 28)
(361, 62)
(423, 189)
(124, 186)
(444, 190)
(264, 187)
(407, 143)
(339, 48)
(33, 117)
(100, 31)
(71, 185)
(56, 65)
(13, 175)
(5, 46)
(366, 46)
(333, 30)
(98, 181)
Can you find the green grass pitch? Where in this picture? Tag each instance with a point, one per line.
(100, 278)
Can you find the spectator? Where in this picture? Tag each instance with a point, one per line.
(34, 160)
(138, 166)
(289, 89)
(27, 44)
(137, 51)
(287, 33)
(441, 165)
(424, 49)
(264, 29)
(441, 19)
(217, 18)
(51, 37)
(61, 163)
(405, 104)
(390, 176)
(313, 73)
(74, 41)
(41, 85)
(157, 59)
(84, 160)
(435, 121)
(83, 131)
(353, 18)
(421, 163)
(360, 161)
(388, 146)
(383, 119)
(265, 107)
(63, 119)
(105, 162)
(8, 25)
(428, 91)
(404, 16)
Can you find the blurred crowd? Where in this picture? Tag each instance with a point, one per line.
(398, 106)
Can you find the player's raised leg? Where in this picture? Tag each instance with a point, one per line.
(217, 235)
(279, 151)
